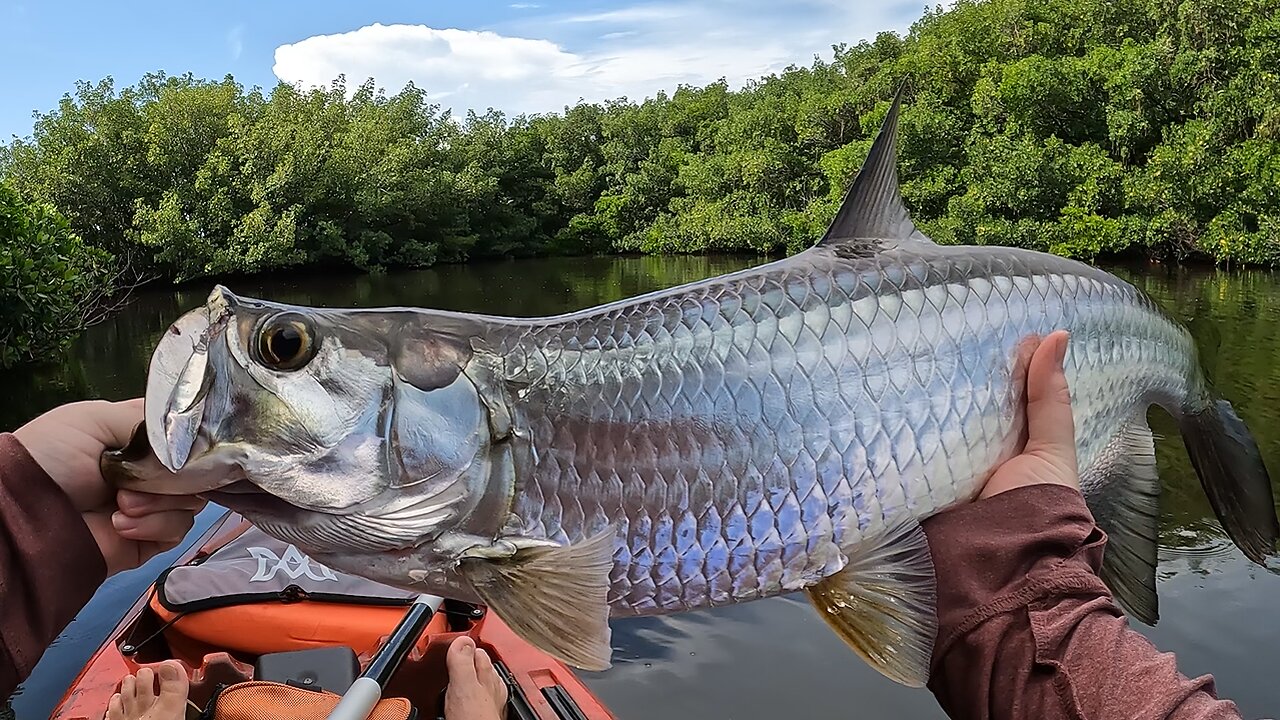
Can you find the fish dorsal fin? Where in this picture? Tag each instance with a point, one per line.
(873, 207)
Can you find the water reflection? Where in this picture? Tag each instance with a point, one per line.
(772, 658)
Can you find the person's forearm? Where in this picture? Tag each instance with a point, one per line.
(49, 563)
(1028, 630)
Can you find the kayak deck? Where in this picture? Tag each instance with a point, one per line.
(237, 643)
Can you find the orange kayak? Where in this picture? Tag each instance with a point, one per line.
(238, 606)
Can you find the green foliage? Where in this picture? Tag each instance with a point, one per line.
(1081, 127)
(50, 281)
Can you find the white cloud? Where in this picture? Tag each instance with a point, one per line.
(639, 13)
(463, 68)
(542, 62)
(524, 6)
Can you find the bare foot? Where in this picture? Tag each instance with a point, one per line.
(475, 691)
(138, 700)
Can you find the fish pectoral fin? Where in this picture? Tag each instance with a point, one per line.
(556, 598)
(1124, 498)
(884, 603)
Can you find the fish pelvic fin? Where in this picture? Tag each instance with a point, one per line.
(883, 603)
(873, 210)
(555, 598)
(1227, 460)
(1126, 505)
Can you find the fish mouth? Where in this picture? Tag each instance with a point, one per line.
(180, 376)
(137, 467)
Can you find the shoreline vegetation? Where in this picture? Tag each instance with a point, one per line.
(1095, 129)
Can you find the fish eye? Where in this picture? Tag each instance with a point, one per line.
(285, 342)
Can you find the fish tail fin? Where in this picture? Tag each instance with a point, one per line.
(883, 603)
(1227, 460)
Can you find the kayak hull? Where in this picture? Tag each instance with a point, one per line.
(220, 646)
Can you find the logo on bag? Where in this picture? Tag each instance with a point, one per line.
(292, 563)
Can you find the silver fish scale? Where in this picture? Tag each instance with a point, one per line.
(742, 430)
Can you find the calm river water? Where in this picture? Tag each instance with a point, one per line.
(772, 658)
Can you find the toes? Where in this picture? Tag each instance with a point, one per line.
(174, 686)
(490, 678)
(460, 661)
(115, 708)
(145, 688)
(129, 696)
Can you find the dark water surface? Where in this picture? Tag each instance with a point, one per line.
(773, 658)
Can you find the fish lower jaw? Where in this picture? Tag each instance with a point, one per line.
(326, 531)
(255, 503)
(254, 499)
(321, 532)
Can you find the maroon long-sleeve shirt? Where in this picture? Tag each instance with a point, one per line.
(1027, 629)
(49, 563)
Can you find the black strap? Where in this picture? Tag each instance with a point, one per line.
(130, 647)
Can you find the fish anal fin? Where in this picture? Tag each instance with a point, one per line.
(555, 598)
(883, 603)
(1122, 491)
(873, 209)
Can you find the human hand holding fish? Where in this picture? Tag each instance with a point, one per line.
(1047, 448)
(1019, 588)
(129, 526)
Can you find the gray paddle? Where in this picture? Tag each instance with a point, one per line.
(359, 700)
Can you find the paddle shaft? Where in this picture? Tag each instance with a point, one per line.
(359, 700)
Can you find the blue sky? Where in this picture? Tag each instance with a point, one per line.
(516, 55)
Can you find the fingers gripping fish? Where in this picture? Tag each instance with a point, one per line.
(784, 428)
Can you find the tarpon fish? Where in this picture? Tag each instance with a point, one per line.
(784, 428)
